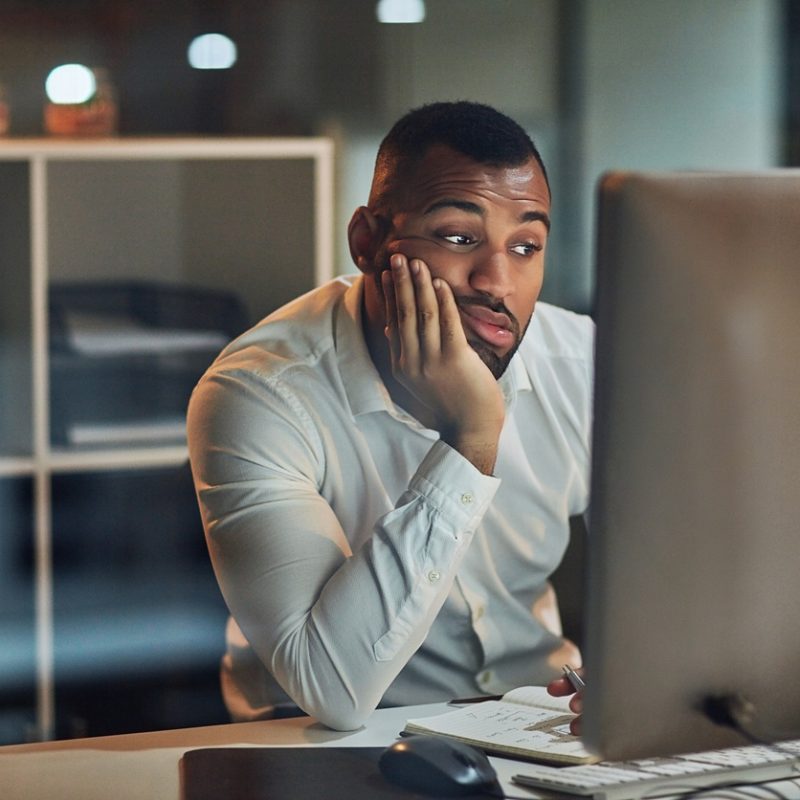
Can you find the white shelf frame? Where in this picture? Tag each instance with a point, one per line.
(46, 460)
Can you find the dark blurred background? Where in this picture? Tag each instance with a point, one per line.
(600, 84)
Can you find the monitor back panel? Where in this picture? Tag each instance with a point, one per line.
(694, 546)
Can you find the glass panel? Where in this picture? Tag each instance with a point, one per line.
(139, 621)
(155, 266)
(15, 310)
(17, 620)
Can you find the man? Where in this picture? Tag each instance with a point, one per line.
(386, 466)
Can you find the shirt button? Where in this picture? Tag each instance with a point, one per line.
(466, 498)
(479, 612)
(434, 576)
(484, 678)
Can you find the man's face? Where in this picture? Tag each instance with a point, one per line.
(483, 230)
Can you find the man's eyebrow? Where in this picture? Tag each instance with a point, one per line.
(536, 216)
(474, 208)
(451, 202)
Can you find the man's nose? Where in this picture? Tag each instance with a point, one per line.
(493, 275)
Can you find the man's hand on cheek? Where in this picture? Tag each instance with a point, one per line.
(433, 361)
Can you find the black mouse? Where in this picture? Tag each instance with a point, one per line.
(436, 765)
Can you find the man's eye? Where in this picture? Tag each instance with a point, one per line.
(458, 238)
(526, 248)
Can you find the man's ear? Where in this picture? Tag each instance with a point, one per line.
(364, 235)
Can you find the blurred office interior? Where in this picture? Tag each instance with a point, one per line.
(110, 619)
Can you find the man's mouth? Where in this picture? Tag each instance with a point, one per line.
(494, 328)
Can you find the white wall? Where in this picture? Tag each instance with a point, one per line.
(500, 52)
(684, 84)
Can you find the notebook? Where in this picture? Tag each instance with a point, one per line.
(526, 723)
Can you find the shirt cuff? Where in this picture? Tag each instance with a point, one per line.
(454, 486)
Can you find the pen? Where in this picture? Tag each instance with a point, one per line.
(577, 682)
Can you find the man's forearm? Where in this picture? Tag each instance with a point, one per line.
(335, 628)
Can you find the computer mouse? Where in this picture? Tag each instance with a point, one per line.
(436, 765)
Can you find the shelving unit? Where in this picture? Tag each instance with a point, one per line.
(251, 217)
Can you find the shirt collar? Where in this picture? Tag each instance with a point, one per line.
(365, 390)
(514, 380)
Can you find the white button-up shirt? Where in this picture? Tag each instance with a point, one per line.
(363, 560)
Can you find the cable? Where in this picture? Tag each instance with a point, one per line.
(736, 789)
(761, 787)
(515, 797)
(737, 712)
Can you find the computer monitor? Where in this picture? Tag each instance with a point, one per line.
(693, 588)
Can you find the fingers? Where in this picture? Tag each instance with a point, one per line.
(406, 312)
(560, 687)
(576, 707)
(412, 313)
(451, 331)
(427, 310)
(391, 314)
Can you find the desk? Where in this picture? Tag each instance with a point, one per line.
(144, 766)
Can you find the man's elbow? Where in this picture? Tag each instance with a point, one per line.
(346, 714)
(335, 704)
(342, 720)
(329, 692)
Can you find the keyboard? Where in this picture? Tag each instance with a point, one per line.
(658, 777)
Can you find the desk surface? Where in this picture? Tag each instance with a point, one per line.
(144, 766)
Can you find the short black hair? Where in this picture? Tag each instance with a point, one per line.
(477, 131)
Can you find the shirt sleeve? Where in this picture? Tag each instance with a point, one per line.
(334, 627)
